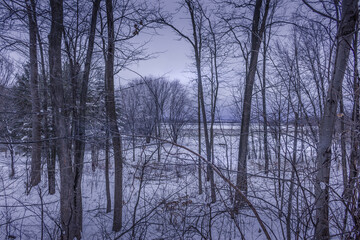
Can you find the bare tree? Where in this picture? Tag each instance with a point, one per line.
(35, 99)
(179, 109)
(112, 117)
(257, 32)
(131, 109)
(79, 117)
(344, 39)
(159, 93)
(351, 191)
(196, 14)
(68, 223)
(263, 97)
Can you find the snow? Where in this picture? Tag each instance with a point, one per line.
(164, 203)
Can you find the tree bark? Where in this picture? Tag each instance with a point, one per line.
(323, 160)
(51, 162)
(107, 179)
(67, 220)
(256, 39)
(214, 97)
(94, 156)
(199, 145)
(111, 114)
(35, 99)
(265, 124)
(343, 141)
(351, 190)
(12, 160)
(49, 145)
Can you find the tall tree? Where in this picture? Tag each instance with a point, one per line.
(195, 8)
(68, 223)
(257, 32)
(345, 34)
(80, 119)
(35, 99)
(197, 18)
(179, 109)
(70, 172)
(352, 191)
(112, 118)
(263, 98)
(159, 91)
(49, 145)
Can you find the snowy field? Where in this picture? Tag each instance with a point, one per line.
(161, 199)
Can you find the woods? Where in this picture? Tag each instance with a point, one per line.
(257, 138)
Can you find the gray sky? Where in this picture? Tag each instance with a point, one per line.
(171, 59)
(173, 56)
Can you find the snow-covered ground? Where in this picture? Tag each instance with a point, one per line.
(161, 199)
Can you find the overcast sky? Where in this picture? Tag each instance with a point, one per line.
(173, 55)
(171, 58)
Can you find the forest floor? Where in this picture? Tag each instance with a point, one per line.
(161, 199)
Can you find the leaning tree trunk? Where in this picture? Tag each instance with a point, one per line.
(67, 220)
(256, 39)
(323, 160)
(35, 99)
(111, 114)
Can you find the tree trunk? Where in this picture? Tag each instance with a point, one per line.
(199, 145)
(197, 51)
(292, 178)
(35, 99)
(133, 145)
(256, 38)
(158, 129)
(278, 150)
(51, 163)
(67, 206)
(94, 156)
(214, 98)
(12, 161)
(343, 142)
(323, 159)
(107, 179)
(263, 95)
(80, 119)
(351, 191)
(49, 145)
(111, 114)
